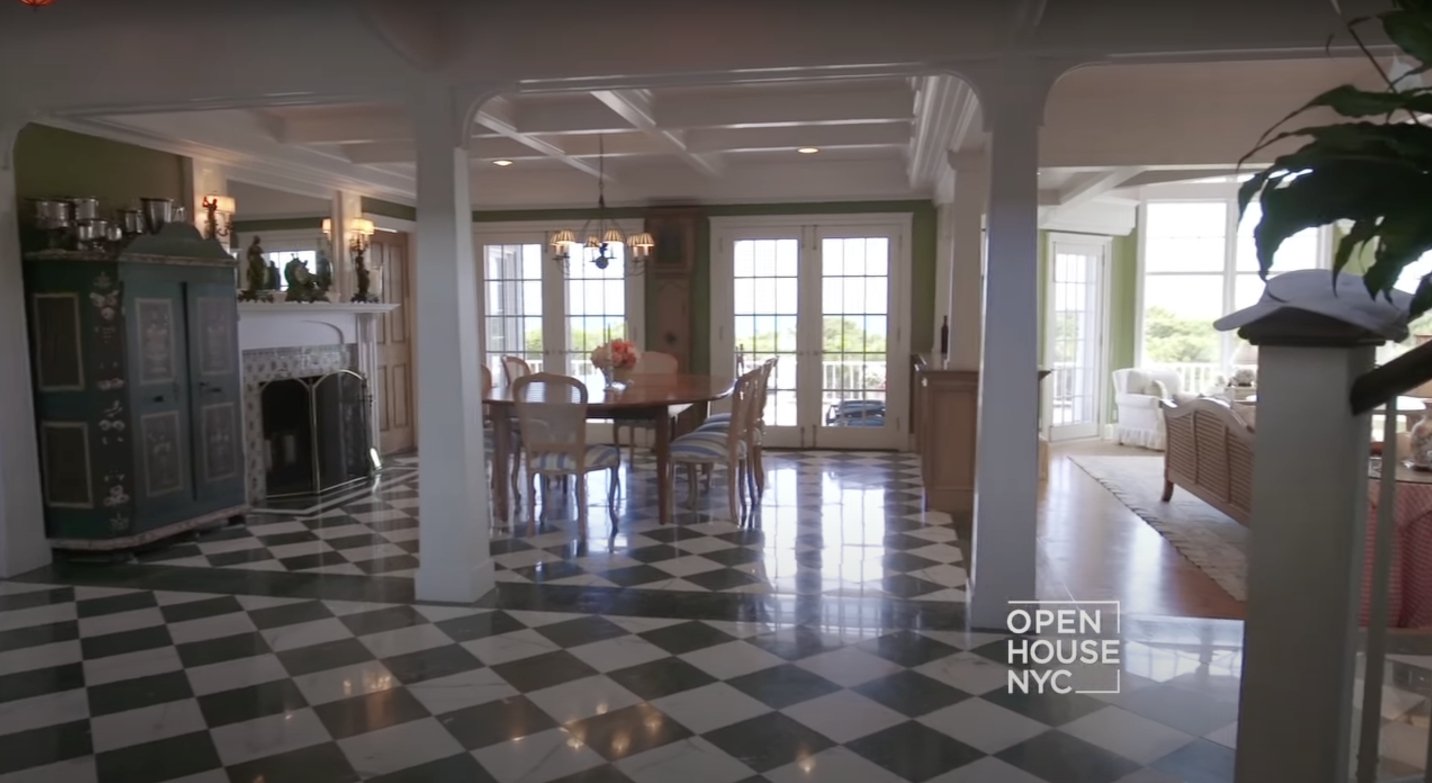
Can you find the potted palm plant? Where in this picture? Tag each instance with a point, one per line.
(1371, 172)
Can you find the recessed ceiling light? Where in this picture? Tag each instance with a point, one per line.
(808, 150)
(502, 163)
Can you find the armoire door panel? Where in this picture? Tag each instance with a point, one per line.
(159, 395)
(213, 351)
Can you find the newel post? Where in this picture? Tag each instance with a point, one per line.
(1306, 535)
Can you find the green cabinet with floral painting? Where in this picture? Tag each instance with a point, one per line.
(136, 372)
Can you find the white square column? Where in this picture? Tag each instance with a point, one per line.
(453, 532)
(23, 546)
(966, 280)
(1006, 480)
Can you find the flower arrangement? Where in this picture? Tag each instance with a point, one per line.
(615, 355)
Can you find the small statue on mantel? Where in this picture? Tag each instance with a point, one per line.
(274, 277)
(365, 281)
(301, 285)
(325, 271)
(256, 274)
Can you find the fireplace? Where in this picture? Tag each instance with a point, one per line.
(315, 433)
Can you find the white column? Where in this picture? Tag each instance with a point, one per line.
(1304, 564)
(346, 206)
(22, 527)
(1006, 466)
(966, 283)
(456, 565)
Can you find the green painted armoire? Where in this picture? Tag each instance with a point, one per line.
(138, 404)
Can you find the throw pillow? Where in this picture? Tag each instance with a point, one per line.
(1158, 389)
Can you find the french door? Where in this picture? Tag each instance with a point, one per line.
(822, 299)
(549, 316)
(1074, 332)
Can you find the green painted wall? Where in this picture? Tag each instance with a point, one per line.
(278, 224)
(1123, 300)
(921, 307)
(375, 206)
(51, 162)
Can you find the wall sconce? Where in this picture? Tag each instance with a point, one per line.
(361, 230)
(213, 205)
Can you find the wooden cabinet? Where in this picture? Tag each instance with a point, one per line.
(669, 326)
(945, 405)
(136, 377)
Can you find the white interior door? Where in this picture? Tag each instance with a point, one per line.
(820, 298)
(1075, 328)
(860, 392)
(758, 318)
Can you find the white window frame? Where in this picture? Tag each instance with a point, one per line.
(554, 290)
(1203, 192)
(1106, 244)
(900, 225)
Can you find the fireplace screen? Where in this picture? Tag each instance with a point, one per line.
(316, 434)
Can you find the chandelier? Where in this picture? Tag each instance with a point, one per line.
(603, 233)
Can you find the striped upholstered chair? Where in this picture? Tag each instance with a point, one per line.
(727, 446)
(720, 422)
(552, 415)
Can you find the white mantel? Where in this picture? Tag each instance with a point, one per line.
(290, 324)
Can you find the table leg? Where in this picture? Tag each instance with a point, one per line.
(501, 461)
(663, 464)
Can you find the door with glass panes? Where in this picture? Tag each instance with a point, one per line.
(550, 316)
(820, 298)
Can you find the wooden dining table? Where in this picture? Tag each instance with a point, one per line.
(654, 398)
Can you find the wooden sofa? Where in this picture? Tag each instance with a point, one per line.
(1209, 452)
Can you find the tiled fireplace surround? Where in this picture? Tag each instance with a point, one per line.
(286, 340)
(265, 365)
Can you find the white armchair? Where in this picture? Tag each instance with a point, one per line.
(1136, 396)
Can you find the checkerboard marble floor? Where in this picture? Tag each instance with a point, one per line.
(841, 523)
(246, 664)
(137, 685)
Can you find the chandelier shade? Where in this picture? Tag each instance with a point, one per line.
(603, 234)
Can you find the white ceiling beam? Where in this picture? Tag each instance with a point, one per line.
(1178, 175)
(571, 114)
(945, 109)
(497, 115)
(757, 108)
(1086, 188)
(346, 127)
(885, 134)
(635, 106)
(485, 149)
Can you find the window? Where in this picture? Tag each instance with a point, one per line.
(551, 318)
(1199, 262)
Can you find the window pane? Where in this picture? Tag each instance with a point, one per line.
(1179, 311)
(1299, 251)
(1186, 236)
(596, 306)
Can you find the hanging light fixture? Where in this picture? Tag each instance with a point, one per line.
(36, 4)
(603, 234)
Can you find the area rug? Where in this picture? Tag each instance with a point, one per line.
(1207, 537)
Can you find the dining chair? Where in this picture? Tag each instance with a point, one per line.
(514, 367)
(650, 363)
(552, 415)
(726, 447)
(755, 435)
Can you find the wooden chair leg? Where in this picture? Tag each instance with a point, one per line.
(706, 474)
(733, 488)
(581, 502)
(760, 469)
(691, 487)
(1168, 491)
(612, 488)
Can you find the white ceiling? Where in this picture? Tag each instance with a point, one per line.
(1105, 127)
